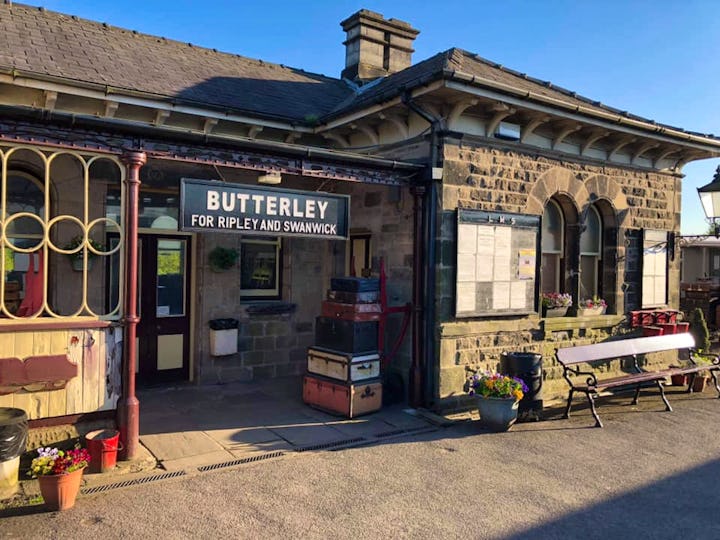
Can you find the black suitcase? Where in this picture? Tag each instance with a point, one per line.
(346, 336)
(344, 297)
(354, 284)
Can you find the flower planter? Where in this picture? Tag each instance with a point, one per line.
(554, 312)
(60, 490)
(77, 264)
(591, 311)
(497, 414)
(698, 385)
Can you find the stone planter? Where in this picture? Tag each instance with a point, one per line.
(698, 385)
(591, 311)
(554, 312)
(497, 414)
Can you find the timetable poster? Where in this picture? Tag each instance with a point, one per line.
(496, 263)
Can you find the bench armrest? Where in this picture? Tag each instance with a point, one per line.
(577, 372)
(713, 358)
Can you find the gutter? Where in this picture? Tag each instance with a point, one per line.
(422, 377)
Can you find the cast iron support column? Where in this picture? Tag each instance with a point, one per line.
(129, 406)
(416, 374)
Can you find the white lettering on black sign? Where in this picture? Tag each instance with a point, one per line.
(207, 205)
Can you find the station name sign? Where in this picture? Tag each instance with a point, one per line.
(207, 205)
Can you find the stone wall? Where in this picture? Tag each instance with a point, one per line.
(494, 178)
(274, 345)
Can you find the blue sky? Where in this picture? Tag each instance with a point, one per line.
(659, 59)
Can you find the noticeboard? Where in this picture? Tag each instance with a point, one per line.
(497, 263)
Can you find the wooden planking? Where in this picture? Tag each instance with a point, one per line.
(74, 388)
(113, 355)
(34, 403)
(57, 399)
(7, 346)
(91, 371)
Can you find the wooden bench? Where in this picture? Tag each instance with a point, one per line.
(588, 383)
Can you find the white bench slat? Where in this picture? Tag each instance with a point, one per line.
(609, 350)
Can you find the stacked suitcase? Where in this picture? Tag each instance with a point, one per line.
(343, 370)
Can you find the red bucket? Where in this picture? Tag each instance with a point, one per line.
(103, 447)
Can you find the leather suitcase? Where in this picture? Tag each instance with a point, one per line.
(354, 284)
(344, 297)
(349, 400)
(342, 366)
(351, 312)
(346, 336)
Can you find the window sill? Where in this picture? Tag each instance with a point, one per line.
(556, 324)
(51, 323)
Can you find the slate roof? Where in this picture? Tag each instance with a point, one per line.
(47, 43)
(44, 42)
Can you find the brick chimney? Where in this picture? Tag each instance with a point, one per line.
(376, 47)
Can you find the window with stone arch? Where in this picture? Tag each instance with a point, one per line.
(591, 250)
(553, 248)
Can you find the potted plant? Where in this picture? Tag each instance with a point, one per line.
(59, 474)
(498, 397)
(555, 304)
(76, 258)
(592, 306)
(222, 258)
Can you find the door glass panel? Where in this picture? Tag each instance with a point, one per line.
(171, 290)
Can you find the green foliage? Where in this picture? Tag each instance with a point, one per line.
(223, 258)
(699, 329)
(169, 263)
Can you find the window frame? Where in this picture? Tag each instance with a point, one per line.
(263, 294)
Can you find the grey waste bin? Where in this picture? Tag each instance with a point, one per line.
(13, 439)
(528, 367)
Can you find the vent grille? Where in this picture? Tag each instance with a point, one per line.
(135, 482)
(330, 445)
(233, 463)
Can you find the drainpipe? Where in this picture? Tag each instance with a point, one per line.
(416, 376)
(430, 228)
(129, 406)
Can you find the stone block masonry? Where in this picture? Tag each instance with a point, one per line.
(502, 179)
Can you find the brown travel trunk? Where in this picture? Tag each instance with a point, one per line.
(349, 400)
(351, 312)
(343, 366)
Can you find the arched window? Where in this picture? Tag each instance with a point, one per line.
(553, 241)
(591, 255)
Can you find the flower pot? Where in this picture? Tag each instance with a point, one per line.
(60, 490)
(698, 385)
(678, 380)
(77, 264)
(591, 311)
(554, 312)
(497, 414)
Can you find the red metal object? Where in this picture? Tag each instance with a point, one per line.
(668, 328)
(683, 327)
(128, 405)
(389, 310)
(103, 447)
(652, 331)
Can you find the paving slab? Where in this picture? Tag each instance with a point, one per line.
(366, 427)
(309, 434)
(252, 450)
(169, 446)
(232, 437)
(199, 460)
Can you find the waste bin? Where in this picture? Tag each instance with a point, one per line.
(528, 367)
(13, 439)
(223, 336)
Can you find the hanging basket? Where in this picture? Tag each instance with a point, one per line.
(77, 263)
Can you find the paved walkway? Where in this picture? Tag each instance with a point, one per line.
(195, 426)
